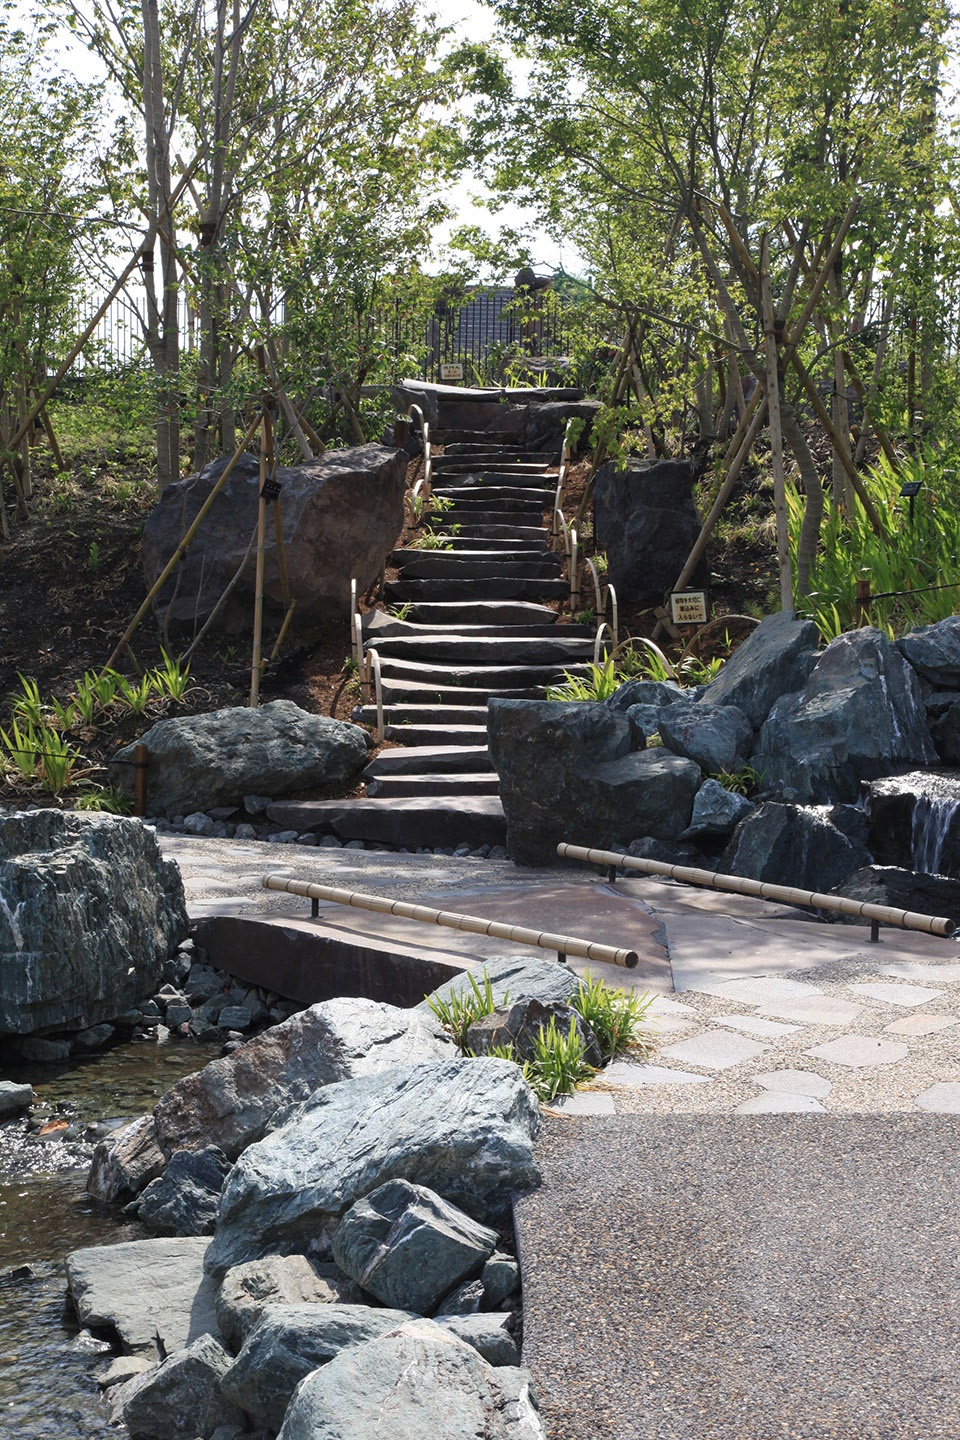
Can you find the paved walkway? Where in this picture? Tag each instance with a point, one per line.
(704, 1261)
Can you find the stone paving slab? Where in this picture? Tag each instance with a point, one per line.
(765, 1277)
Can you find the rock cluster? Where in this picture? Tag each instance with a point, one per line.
(356, 1175)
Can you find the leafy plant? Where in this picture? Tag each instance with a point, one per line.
(106, 798)
(58, 760)
(616, 1017)
(460, 1011)
(431, 540)
(740, 782)
(558, 1065)
(29, 706)
(22, 745)
(587, 616)
(172, 678)
(94, 558)
(136, 697)
(400, 612)
(599, 684)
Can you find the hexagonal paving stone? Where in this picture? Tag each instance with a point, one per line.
(755, 1025)
(920, 1024)
(795, 1082)
(859, 1051)
(897, 994)
(825, 1010)
(623, 1073)
(947, 973)
(943, 1098)
(761, 990)
(779, 1102)
(714, 1051)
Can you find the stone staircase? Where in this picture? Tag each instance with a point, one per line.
(466, 621)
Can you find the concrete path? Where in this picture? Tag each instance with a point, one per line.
(750, 1233)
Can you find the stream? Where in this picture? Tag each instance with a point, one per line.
(47, 1389)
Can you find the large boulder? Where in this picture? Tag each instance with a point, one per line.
(716, 811)
(511, 977)
(521, 1025)
(184, 1200)
(544, 424)
(230, 1101)
(181, 1398)
(646, 520)
(248, 1289)
(341, 518)
(465, 1128)
(717, 737)
(429, 1383)
(125, 1162)
(199, 762)
(154, 1294)
(934, 652)
(775, 660)
(903, 889)
(567, 772)
(860, 715)
(89, 913)
(915, 821)
(792, 845)
(943, 717)
(408, 1247)
(291, 1341)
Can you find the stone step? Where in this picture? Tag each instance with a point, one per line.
(521, 508)
(474, 716)
(481, 450)
(484, 677)
(425, 820)
(429, 760)
(453, 484)
(525, 534)
(504, 544)
(499, 587)
(490, 495)
(477, 560)
(505, 516)
(437, 734)
(398, 691)
(439, 565)
(470, 467)
(384, 627)
(486, 649)
(406, 786)
(494, 612)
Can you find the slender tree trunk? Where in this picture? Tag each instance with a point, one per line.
(163, 333)
(813, 496)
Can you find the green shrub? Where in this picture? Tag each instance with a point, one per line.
(616, 1017)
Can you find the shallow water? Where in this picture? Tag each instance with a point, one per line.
(47, 1389)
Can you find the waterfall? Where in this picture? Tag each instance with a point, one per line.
(932, 818)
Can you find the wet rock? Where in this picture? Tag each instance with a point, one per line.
(488, 1334)
(465, 1299)
(211, 759)
(408, 1247)
(859, 716)
(184, 1200)
(915, 821)
(792, 845)
(98, 1037)
(291, 1341)
(943, 717)
(14, 1098)
(153, 1293)
(903, 889)
(500, 1277)
(181, 1398)
(775, 660)
(433, 1383)
(125, 1162)
(230, 1101)
(45, 1050)
(716, 737)
(511, 977)
(89, 912)
(464, 1128)
(248, 1289)
(523, 1022)
(716, 811)
(646, 520)
(934, 652)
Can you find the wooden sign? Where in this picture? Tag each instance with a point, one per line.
(451, 371)
(689, 607)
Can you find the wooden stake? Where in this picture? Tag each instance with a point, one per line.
(52, 441)
(863, 602)
(256, 664)
(776, 434)
(141, 760)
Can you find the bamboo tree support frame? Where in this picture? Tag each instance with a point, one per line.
(776, 433)
(266, 456)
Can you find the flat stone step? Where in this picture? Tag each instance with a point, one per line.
(429, 760)
(407, 786)
(479, 450)
(472, 544)
(407, 559)
(437, 734)
(384, 627)
(487, 649)
(468, 715)
(439, 565)
(475, 480)
(480, 511)
(398, 691)
(500, 587)
(491, 494)
(485, 677)
(499, 612)
(504, 467)
(425, 820)
(525, 534)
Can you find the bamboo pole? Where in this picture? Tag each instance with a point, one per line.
(776, 433)
(939, 925)
(257, 660)
(813, 395)
(473, 924)
(182, 548)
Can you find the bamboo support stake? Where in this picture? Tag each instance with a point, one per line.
(184, 545)
(472, 924)
(813, 395)
(257, 660)
(776, 433)
(940, 925)
(52, 440)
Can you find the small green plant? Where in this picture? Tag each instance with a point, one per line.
(172, 678)
(94, 558)
(740, 782)
(431, 540)
(135, 697)
(440, 504)
(400, 612)
(29, 706)
(350, 666)
(701, 672)
(586, 617)
(65, 716)
(599, 683)
(22, 746)
(58, 760)
(460, 1011)
(558, 1065)
(616, 1017)
(104, 797)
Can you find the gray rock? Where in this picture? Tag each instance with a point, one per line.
(407, 1247)
(433, 1383)
(903, 889)
(716, 737)
(184, 1200)
(934, 652)
(178, 1015)
(181, 1399)
(211, 759)
(89, 913)
(248, 1289)
(464, 1128)
(126, 1162)
(44, 1049)
(96, 1038)
(915, 821)
(257, 804)
(501, 1277)
(153, 1293)
(716, 811)
(646, 692)
(646, 520)
(521, 1024)
(567, 773)
(234, 1017)
(488, 1334)
(121, 1369)
(792, 845)
(860, 715)
(14, 1098)
(943, 717)
(342, 515)
(198, 824)
(205, 983)
(775, 660)
(245, 832)
(511, 977)
(465, 1299)
(230, 1101)
(291, 1341)
(667, 852)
